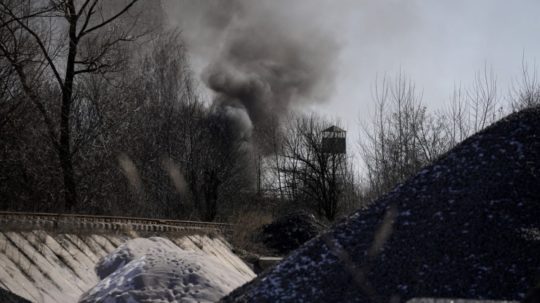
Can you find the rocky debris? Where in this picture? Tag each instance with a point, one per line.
(455, 230)
(289, 232)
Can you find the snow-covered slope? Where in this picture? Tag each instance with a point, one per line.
(43, 266)
(157, 270)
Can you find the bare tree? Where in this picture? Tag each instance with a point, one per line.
(63, 40)
(472, 108)
(404, 136)
(150, 117)
(457, 117)
(526, 93)
(308, 174)
(401, 138)
(483, 100)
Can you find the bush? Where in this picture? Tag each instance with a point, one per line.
(289, 232)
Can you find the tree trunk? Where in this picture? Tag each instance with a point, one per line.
(211, 185)
(70, 189)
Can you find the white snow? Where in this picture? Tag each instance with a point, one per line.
(45, 266)
(157, 270)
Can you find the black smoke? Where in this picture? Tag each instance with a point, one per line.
(262, 59)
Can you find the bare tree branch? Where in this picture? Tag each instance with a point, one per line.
(84, 31)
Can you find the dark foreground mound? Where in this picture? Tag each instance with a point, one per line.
(9, 297)
(464, 227)
(289, 232)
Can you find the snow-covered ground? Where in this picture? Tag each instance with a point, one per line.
(50, 267)
(157, 270)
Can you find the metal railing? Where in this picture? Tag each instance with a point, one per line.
(24, 220)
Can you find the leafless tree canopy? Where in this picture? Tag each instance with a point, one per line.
(97, 116)
(100, 113)
(50, 45)
(404, 136)
(309, 176)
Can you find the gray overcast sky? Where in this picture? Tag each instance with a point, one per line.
(435, 43)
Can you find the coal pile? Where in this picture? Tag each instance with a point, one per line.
(534, 295)
(9, 297)
(289, 232)
(464, 227)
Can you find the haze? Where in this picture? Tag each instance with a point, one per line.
(437, 44)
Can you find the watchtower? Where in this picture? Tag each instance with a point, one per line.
(334, 140)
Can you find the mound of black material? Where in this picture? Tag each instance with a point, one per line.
(534, 295)
(9, 297)
(463, 228)
(289, 232)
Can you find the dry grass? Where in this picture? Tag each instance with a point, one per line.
(246, 228)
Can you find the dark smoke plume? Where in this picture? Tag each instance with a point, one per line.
(263, 58)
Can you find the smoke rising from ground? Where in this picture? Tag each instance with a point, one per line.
(262, 58)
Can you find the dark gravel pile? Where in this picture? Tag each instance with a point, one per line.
(464, 227)
(9, 297)
(289, 232)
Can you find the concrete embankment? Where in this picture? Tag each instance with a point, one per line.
(51, 264)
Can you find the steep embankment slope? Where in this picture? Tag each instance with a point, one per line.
(54, 266)
(466, 226)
